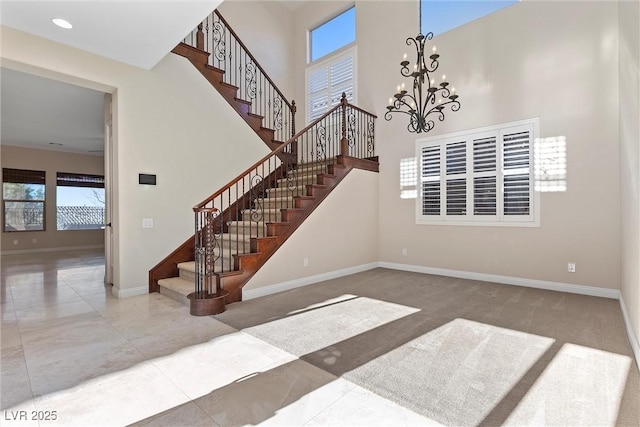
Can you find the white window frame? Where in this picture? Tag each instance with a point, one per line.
(469, 218)
(326, 63)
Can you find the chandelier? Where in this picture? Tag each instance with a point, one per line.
(425, 100)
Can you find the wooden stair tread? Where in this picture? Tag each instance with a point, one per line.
(257, 116)
(242, 101)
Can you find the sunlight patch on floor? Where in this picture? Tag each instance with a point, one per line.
(316, 329)
(455, 374)
(581, 386)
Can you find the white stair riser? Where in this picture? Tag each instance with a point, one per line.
(301, 180)
(267, 216)
(286, 191)
(235, 244)
(170, 293)
(246, 230)
(187, 275)
(276, 203)
(218, 266)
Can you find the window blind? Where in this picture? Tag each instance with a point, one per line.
(23, 176)
(327, 81)
(65, 179)
(478, 176)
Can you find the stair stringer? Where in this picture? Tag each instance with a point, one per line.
(200, 59)
(262, 248)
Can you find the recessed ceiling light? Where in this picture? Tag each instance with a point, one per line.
(62, 23)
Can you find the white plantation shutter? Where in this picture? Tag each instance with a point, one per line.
(517, 172)
(318, 94)
(486, 176)
(327, 81)
(456, 178)
(485, 180)
(430, 173)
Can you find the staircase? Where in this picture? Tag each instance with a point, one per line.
(238, 228)
(316, 180)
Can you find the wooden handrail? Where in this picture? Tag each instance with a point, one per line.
(200, 206)
(250, 55)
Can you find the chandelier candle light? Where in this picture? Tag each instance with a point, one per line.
(426, 100)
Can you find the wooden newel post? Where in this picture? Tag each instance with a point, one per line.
(200, 38)
(344, 143)
(208, 298)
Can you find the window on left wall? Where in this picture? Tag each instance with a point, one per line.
(23, 200)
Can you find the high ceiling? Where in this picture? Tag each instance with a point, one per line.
(36, 111)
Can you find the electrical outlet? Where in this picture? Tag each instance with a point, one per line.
(34, 241)
(404, 251)
(15, 242)
(305, 262)
(571, 267)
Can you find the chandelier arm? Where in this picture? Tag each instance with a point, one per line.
(404, 70)
(387, 115)
(398, 104)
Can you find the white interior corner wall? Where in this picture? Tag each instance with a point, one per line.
(338, 238)
(552, 60)
(266, 28)
(629, 94)
(169, 121)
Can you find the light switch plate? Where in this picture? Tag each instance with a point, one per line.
(147, 222)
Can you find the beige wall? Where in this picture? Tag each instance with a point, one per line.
(169, 122)
(339, 234)
(629, 75)
(266, 28)
(552, 60)
(51, 162)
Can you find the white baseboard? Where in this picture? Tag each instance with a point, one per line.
(633, 339)
(62, 249)
(517, 281)
(296, 283)
(126, 293)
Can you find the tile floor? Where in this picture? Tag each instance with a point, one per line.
(69, 348)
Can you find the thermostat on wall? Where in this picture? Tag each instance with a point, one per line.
(147, 179)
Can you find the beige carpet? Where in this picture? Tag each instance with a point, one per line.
(459, 352)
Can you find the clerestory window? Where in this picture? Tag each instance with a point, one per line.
(333, 63)
(439, 16)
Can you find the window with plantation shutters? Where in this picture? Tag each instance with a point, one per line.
(327, 81)
(479, 177)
